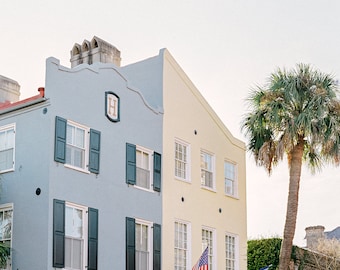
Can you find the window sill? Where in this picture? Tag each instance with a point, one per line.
(208, 188)
(6, 171)
(188, 181)
(76, 168)
(142, 188)
(236, 197)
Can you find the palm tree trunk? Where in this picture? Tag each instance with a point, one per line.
(295, 163)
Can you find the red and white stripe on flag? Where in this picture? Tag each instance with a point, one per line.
(202, 263)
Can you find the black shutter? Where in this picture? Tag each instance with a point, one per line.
(94, 151)
(58, 233)
(130, 243)
(60, 139)
(157, 246)
(92, 258)
(130, 164)
(157, 168)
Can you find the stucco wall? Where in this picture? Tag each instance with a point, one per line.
(78, 94)
(186, 111)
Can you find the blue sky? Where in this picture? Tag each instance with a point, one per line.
(226, 47)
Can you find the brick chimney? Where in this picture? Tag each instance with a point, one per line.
(9, 90)
(313, 234)
(97, 50)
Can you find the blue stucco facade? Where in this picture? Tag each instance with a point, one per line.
(78, 95)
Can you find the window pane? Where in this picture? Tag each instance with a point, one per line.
(80, 137)
(78, 157)
(229, 170)
(144, 245)
(6, 224)
(10, 138)
(75, 149)
(207, 240)
(73, 253)
(70, 134)
(142, 251)
(142, 159)
(73, 222)
(7, 141)
(138, 236)
(74, 241)
(207, 176)
(229, 187)
(230, 252)
(180, 160)
(77, 253)
(206, 161)
(141, 237)
(180, 246)
(143, 177)
(146, 161)
(3, 140)
(229, 178)
(6, 159)
(68, 248)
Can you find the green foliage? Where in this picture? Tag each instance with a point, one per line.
(263, 252)
(4, 254)
(295, 106)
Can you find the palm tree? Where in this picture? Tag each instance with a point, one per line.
(297, 113)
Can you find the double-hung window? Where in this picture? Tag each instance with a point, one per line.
(75, 236)
(230, 179)
(231, 254)
(208, 241)
(143, 245)
(6, 220)
(77, 146)
(181, 246)
(143, 167)
(182, 161)
(7, 148)
(76, 140)
(207, 170)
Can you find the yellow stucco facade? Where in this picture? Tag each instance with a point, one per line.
(188, 118)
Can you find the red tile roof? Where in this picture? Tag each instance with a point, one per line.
(7, 104)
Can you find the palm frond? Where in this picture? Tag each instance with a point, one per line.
(294, 104)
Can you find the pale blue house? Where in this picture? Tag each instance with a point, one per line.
(81, 167)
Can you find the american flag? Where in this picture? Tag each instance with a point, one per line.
(202, 263)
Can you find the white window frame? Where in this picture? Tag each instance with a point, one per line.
(206, 170)
(84, 168)
(4, 129)
(4, 208)
(212, 246)
(236, 251)
(181, 248)
(149, 242)
(150, 161)
(186, 163)
(84, 237)
(233, 181)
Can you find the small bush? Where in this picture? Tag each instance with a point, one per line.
(263, 252)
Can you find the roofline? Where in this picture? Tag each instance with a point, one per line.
(7, 107)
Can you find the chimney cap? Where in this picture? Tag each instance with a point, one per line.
(317, 227)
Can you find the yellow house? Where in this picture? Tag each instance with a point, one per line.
(204, 180)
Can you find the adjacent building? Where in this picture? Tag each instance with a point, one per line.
(119, 167)
(316, 233)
